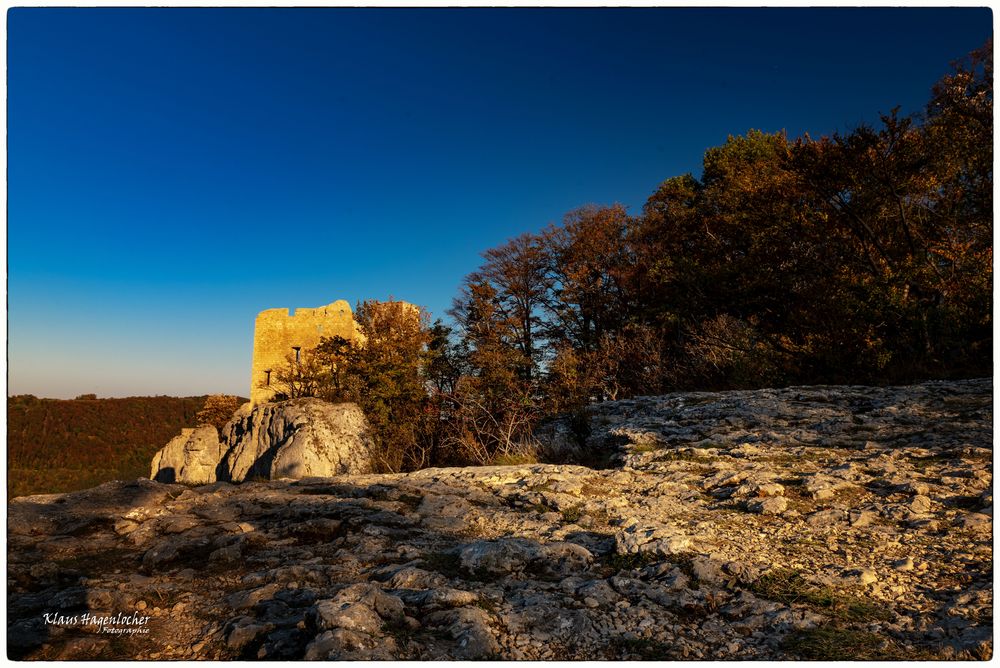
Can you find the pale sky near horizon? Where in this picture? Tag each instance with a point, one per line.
(171, 172)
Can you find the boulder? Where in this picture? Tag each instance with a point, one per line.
(769, 505)
(513, 555)
(298, 438)
(189, 458)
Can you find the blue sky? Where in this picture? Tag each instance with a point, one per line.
(174, 171)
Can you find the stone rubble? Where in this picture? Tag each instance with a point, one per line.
(729, 526)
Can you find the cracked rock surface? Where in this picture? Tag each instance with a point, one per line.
(768, 524)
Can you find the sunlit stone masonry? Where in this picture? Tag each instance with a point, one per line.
(280, 335)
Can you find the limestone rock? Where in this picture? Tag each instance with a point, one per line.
(825, 518)
(920, 504)
(347, 645)
(916, 487)
(865, 576)
(296, 439)
(351, 616)
(664, 540)
(770, 505)
(243, 600)
(244, 632)
(446, 597)
(411, 577)
(471, 631)
(977, 522)
(190, 457)
(823, 487)
(903, 565)
(504, 557)
(652, 560)
(862, 518)
(770, 489)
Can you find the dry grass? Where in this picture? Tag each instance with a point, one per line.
(836, 643)
(789, 587)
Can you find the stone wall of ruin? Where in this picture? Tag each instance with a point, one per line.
(277, 334)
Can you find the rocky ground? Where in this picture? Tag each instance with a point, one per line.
(812, 522)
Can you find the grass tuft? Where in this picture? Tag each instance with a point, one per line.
(644, 648)
(615, 562)
(788, 586)
(835, 643)
(573, 513)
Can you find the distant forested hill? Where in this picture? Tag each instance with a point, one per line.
(56, 445)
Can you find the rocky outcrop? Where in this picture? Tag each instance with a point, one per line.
(879, 548)
(289, 439)
(191, 457)
(296, 439)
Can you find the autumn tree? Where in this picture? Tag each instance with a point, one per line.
(865, 256)
(495, 399)
(960, 128)
(909, 200)
(384, 373)
(590, 266)
(305, 373)
(515, 274)
(960, 136)
(667, 240)
(218, 410)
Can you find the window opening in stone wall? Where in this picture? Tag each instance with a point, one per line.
(267, 377)
(298, 354)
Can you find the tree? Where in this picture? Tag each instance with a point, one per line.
(960, 126)
(383, 371)
(305, 373)
(910, 205)
(590, 267)
(335, 355)
(667, 242)
(515, 274)
(865, 256)
(568, 385)
(384, 374)
(495, 399)
(218, 410)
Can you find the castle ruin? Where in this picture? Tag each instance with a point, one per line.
(279, 334)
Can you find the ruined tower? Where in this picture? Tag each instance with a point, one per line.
(278, 334)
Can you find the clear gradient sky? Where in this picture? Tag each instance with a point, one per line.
(174, 171)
